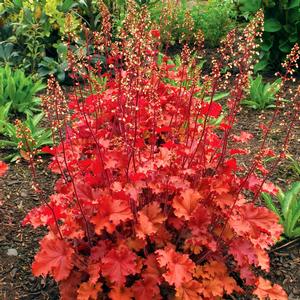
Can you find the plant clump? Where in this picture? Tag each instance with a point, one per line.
(150, 200)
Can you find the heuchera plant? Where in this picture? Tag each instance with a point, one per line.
(150, 200)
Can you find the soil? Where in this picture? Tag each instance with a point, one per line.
(16, 279)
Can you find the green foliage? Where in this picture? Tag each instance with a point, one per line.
(261, 96)
(282, 28)
(289, 210)
(57, 67)
(182, 21)
(294, 166)
(8, 56)
(19, 90)
(39, 25)
(169, 18)
(19, 146)
(214, 19)
(33, 36)
(4, 115)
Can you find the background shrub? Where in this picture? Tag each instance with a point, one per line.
(282, 29)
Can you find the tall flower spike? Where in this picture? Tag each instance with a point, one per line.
(55, 104)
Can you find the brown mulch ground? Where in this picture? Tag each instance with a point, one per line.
(16, 280)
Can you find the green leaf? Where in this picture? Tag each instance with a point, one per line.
(261, 66)
(11, 89)
(290, 198)
(270, 204)
(295, 218)
(267, 44)
(294, 4)
(37, 119)
(217, 96)
(284, 46)
(67, 4)
(272, 25)
(5, 143)
(250, 5)
(296, 232)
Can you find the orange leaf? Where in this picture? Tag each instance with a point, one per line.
(149, 220)
(180, 266)
(185, 204)
(215, 281)
(120, 293)
(55, 257)
(188, 291)
(88, 291)
(135, 244)
(263, 259)
(118, 263)
(265, 290)
(94, 270)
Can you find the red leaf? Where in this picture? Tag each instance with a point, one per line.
(238, 151)
(152, 269)
(110, 214)
(55, 257)
(118, 263)
(3, 168)
(68, 287)
(145, 289)
(254, 184)
(265, 291)
(100, 250)
(263, 259)
(155, 33)
(243, 138)
(200, 221)
(243, 252)
(212, 109)
(254, 220)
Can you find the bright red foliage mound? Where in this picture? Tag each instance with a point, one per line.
(149, 202)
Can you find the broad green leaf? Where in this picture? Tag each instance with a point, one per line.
(294, 4)
(272, 25)
(290, 198)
